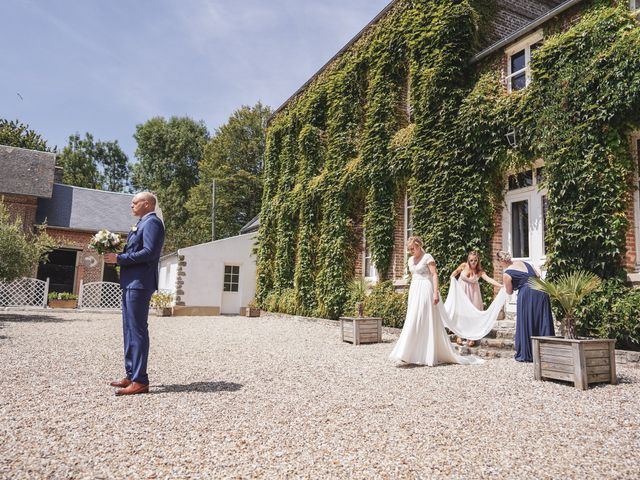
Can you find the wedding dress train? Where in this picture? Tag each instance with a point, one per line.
(423, 340)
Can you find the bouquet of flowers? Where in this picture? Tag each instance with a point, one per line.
(106, 242)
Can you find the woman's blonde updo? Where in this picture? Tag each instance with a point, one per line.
(414, 241)
(503, 256)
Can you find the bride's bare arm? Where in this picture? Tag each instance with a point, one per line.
(436, 285)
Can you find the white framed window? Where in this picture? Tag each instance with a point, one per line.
(368, 268)
(231, 278)
(635, 152)
(408, 227)
(518, 61)
(408, 217)
(525, 213)
(524, 218)
(634, 5)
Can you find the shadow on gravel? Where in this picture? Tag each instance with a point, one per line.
(204, 387)
(408, 366)
(36, 318)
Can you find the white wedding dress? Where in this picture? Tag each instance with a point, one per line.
(423, 340)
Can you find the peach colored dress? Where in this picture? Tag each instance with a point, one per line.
(471, 287)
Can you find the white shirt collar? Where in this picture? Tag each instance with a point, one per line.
(146, 215)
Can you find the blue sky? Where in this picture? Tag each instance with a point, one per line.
(105, 66)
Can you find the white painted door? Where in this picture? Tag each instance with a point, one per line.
(231, 294)
(524, 221)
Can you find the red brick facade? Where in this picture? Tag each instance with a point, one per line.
(631, 255)
(23, 207)
(399, 257)
(79, 241)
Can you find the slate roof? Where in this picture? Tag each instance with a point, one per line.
(252, 226)
(511, 16)
(86, 209)
(514, 15)
(26, 172)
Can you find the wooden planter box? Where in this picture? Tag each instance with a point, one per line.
(252, 311)
(163, 311)
(359, 330)
(581, 361)
(63, 304)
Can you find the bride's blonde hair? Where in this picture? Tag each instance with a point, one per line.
(414, 241)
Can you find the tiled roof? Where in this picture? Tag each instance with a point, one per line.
(252, 226)
(510, 17)
(26, 172)
(86, 209)
(514, 15)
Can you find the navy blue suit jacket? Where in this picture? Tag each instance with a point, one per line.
(139, 261)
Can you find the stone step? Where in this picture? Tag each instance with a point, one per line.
(497, 343)
(505, 324)
(485, 352)
(511, 333)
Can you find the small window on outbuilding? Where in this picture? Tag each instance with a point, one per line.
(231, 278)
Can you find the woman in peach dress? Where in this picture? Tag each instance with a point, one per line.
(470, 274)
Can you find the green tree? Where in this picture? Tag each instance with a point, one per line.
(78, 162)
(114, 164)
(168, 155)
(94, 164)
(234, 159)
(16, 134)
(20, 251)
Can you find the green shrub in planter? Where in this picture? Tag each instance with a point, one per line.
(161, 299)
(357, 294)
(62, 296)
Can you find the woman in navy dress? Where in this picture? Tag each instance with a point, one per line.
(533, 312)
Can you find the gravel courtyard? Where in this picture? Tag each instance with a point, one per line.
(280, 397)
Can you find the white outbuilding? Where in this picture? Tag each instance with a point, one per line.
(212, 278)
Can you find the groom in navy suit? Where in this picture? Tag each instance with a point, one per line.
(138, 279)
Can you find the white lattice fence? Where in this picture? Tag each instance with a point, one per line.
(101, 295)
(24, 292)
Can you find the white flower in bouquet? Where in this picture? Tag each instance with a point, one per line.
(106, 242)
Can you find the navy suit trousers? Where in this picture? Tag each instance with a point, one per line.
(135, 328)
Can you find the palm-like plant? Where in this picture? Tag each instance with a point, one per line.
(568, 290)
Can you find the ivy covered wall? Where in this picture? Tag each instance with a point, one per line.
(403, 108)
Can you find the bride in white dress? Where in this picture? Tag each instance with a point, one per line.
(423, 340)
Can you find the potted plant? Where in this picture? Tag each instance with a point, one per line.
(162, 301)
(579, 360)
(252, 310)
(62, 300)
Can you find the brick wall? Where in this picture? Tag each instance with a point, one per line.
(398, 260)
(358, 230)
(630, 256)
(78, 241)
(23, 207)
(496, 244)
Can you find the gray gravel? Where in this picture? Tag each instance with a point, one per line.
(279, 397)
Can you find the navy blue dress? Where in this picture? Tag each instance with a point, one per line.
(533, 312)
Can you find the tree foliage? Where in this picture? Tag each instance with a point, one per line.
(94, 164)
(16, 134)
(234, 159)
(20, 251)
(168, 153)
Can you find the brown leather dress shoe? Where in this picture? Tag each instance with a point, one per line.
(133, 389)
(123, 383)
